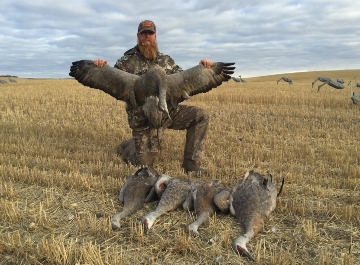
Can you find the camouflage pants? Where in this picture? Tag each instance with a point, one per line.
(146, 142)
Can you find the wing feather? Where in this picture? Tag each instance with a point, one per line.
(115, 82)
(197, 80)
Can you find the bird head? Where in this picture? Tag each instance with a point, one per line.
(239, 246)
(148, 221)
(161, 184)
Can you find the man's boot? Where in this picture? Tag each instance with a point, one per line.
(191, 167)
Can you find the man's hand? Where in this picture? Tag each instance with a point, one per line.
(100, 62)
(206, 62)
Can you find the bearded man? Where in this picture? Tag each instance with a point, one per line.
(146, 142)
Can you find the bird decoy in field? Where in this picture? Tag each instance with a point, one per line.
(340, 80)
(238, 79)
(251, 201)
(137, 190)
(355, 98)
(332, 83)
(242, 80)
(154, 89)
(3, 82)
(286, 79)
(12, 80)
(172, 192)
(203, 195)
(321, 79)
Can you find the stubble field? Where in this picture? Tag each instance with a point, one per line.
(60, 175)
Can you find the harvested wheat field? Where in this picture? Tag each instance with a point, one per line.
(60, 176)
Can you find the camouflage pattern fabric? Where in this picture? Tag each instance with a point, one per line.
(146, 142)
(134, 62)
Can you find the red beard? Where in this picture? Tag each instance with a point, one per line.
(149, 50)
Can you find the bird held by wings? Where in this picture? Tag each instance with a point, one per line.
(154, 89)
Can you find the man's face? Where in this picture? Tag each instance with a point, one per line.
(147, 38)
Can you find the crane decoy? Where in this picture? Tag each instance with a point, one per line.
(12, 80)
(286, 79)
(172, 192)
(238, 79)
(321, 79)
(137, 190)
(340, 80)
(355, 98)
(154, 89)
(251, 202)
(332, 83)
(203, 196)
(242, 80)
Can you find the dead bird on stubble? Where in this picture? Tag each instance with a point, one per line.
(206, 198)
(251, 202)
(137, 190)
(173, 193)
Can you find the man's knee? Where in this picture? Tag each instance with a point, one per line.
(202, 115)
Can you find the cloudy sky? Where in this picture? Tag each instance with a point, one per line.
(40, 38)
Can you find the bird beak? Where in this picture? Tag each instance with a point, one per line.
(244, 252)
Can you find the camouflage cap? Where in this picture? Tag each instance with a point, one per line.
(146, 25)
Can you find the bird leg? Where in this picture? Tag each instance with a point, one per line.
(193, 227)
(162, 100)
(239, 245)
(314, 82)
(323, 84)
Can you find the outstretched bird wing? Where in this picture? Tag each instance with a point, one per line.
(112, 81)
(198, 79)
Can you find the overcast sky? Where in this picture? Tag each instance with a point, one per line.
(40, 38)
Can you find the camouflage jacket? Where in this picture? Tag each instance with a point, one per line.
(134, 62)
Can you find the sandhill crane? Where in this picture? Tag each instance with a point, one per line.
(356, 84)
(137, 190)
(242, 80)
(237, 80)
(154, 89)
(333, 84)
(203, 195)
(321, 79)
(355, 98)
(12, 80)
(340, 80)
(173, 193)
(251, 201)
(286, 79)
(3, 82)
